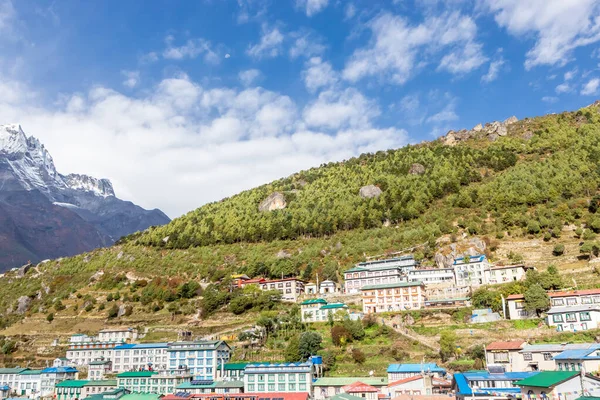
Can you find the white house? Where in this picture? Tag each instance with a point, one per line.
(129, 357)
(508, 273)
(311, 288)
(83, 353)
(118, 335)
(329, 287)
(399, 296)
(318, 310)
(587, 360)
(30, 383)
(505, 354)
(540, 357)
(472, 271)
(563, 385)
(285, 377)
(203, 358)
(433, 276)
(9, 377)
(328, 387)
(574, 318)
(393, 270)
(97, 369)
(54, 375)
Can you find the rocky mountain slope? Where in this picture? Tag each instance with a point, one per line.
(535, 181)
(44, 214)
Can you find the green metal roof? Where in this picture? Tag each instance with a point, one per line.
(140, 396)
(236, 366)
(588, 398)
(12, 370)
(99, 362)
(136, 374)
(546, 379)
(392, 285)
(189, 385)
(345, 396)
(106, 382)
(230, 384)
(344, 380)
(31, 372)
(333, 306)
(72, 383)
(313, 301)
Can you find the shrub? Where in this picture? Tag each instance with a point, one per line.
(358, 356)
(340, 335)
(558, 250)
(50, 317)
(113, 312)
(533, 227)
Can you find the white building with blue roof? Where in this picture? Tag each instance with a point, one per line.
(402, 371)
(282, 378)
(203, 358)
(541, 357)
(392, 270)
(485, 385)
(587, 360)
(472, 270)
(54, 375)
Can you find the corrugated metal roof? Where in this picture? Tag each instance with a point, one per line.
(345, 380)
(414, 368)
(577, 354)
(392, 285)
(546, 379)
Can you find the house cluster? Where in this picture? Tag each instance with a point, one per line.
(576, 310)
(516, 369)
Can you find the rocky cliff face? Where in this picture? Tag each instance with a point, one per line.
(491, 130)
(44, 214)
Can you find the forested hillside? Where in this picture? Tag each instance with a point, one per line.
(538, 181)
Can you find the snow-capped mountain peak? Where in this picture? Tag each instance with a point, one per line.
(12, 139)
(99, 187)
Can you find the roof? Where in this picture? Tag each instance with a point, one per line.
(567, 309)
(235, 366)
(472, 259)
(588, 398)
(462, 381)
(345, 396)
(424, 397)
(359, 387)
(512, 266)
(568, 293)
(31, 372)
(198, 344)
(142, 346)
(4, 388)
(405, 380)
(72, 383)
(122, 329)
(392, 285)
(313, 301)
(136, 374)
(12, 370)
(211, 385)
(557, 347)
(510, 345)
(284, 280)
(257, 396)
(546, 379)
(415, 368)
(140, 396)
(578, 354)
(105, 382)
(59, 370)
(344, 380)
(331, 306)
(99, 362)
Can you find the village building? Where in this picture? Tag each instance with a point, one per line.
(425, 397)
(393, 270)
(114, 394)
(81, 338)
(256, 281)
(290, 288)
(329, 287)
(563, 385)
(504, 354)
(129, 357)
(424, 384)
(237, 280)
(311, 289)
(284, 377)
(202, 358)
(118, 335)
(9, 377)
(361, 390)
(69, 389)
(205, 387)
(433, 276)
(95, 387)
(318, 310)
(328, 387)
(97, 369)
(30, 383)
(83, 353)
(158, 382)
(485, 385)
(472, 271)
(240, 396)
(232, 371)
(398, 372)
(388, 297)
(508, 273)
(53, 376)
(587, 360)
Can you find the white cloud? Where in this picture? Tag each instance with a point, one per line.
(569, 75)
(563, 88)
(269, 45)
(148, 58)
(559, 26)
(550, 99)
(249, 76)
(191, 49)
(7, 15)
(591, 87)
(349, 11)
(318, 74)
(397, 49)
(181, 138)
(132, 78)
(493, 71)
(312, 7)
(447, 114)
(305, 45)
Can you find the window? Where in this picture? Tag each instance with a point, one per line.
(271, 378)
(519, 304)
(572, 301)
(292, 387)
(271, 387)
(250, 378)
(261, 378)
(302, 377)
(557, 318)
(547, 356)
(501, 357)
(559, 328)
(527, 356)
(585, 316)
(571, 317)
(302, 387)
(586, 300)
(281, 387)
(281, 378)
(558, 302)
(251, 387)
(261, 387)
(292, 377)
(584, 326)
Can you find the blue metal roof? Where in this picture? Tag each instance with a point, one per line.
(477, 258)
(415, 368)
(58, 370)
(4, 388)
(129, 346)
(462, 381)
(506, 376)
(588, 354)
(462, 385)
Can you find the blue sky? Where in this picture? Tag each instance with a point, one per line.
(184, 102)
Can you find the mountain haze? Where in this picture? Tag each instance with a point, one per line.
(44, 214)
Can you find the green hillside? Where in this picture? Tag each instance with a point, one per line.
(534, 182)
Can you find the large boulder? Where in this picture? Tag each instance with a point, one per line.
(511, 120)
(23, 304)
(417, 169)
(478, 128)
(24, 269)
(369, 191)
(275, 201)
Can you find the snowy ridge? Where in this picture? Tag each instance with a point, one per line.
(34, 166)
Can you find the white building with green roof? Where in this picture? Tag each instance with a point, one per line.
(392, 270)
(30, 383)
(10, 377)
(318, 310)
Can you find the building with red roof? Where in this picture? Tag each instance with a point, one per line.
(503, 353)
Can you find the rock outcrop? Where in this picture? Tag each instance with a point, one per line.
(492, 130)
(417, 169)
(275, 201)
(23, 304)
(369, 192)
